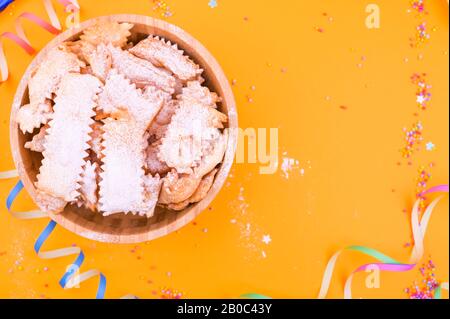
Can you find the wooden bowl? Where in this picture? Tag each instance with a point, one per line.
(121, 228)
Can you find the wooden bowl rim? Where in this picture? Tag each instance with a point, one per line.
(191, 212)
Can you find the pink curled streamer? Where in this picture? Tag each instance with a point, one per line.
(418, 230)
(20, 38)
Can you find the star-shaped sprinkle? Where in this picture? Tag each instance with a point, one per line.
(430, 146)
(421, 99)
(423, 94)
(212, 4)
(266, 239)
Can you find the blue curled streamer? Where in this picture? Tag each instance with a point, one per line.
(76, 264)
(13, 194)
(44, 236)
(4, 4)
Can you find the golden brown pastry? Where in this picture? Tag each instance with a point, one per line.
(122, 127)
(199, 194)
(165, 54)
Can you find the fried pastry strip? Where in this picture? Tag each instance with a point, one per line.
(100, 61)
(32, 116)
(141, 72)
(124, 186)
(120, 99)
(68, 136)
(197, 93)
(107, 32)
(95, 142)
(193, 138)
(152, 187)
(164, 54)
(88, 190)
(213, 152)
(49, 203)
(156, 131)
(152, 163)
(38, 141)
(43, 83)
(200, 193)
(122, 173)
(177, 188)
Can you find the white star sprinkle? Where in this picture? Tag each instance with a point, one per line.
(212, 4)
(266, 239)
(421, 99)
(430, 146)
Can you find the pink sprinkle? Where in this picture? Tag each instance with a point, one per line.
(319, 29)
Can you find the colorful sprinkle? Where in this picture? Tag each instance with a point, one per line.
(430, 146)
(168, 293)
(288, 165)
(212, 4)
(418, 6)
(320, 29)
(413, 137)
(162, 8)
(422, 180)
(423, 94)
(426, 287)
(422, 35)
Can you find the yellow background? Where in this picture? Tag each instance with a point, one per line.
(352, 191)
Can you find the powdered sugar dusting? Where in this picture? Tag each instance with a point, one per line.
(251, 236)
(291, 166)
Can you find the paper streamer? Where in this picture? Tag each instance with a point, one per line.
(438, 291)
(4, 4)
(71, 279)
(254, 296)
(387, 263)
(20, 38)
(21, 215)
(9, 174)
(13, 194)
